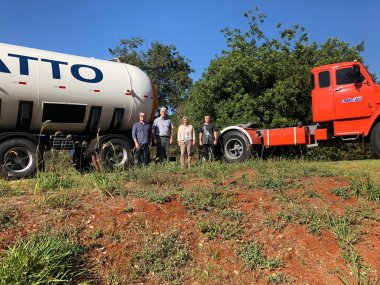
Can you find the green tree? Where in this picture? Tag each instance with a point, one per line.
(262, 79)
(168, 70)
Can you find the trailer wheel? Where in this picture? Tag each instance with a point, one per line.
(235, 147)
(375, 139)
(114, 154)
(18, 158)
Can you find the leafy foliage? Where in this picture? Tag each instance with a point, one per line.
(262, 79)
(168, 70)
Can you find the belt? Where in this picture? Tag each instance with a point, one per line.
(164, 136)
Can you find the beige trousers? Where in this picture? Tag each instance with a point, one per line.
(186, 148)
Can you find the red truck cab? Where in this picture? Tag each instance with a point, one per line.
(345, 95)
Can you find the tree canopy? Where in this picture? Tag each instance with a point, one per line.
(168, 70)
(262, 79)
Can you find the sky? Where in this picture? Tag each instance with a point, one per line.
(90, 27)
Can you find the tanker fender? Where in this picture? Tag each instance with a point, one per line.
(251, 134)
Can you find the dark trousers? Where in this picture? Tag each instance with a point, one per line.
(208, 151)
(143, 151)
(163, 144)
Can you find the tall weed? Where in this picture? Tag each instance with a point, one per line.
(42, 259)
(365, 187)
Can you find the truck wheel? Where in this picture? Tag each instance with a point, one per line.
(375, 139)
(235, 147)
(18, 158)
(114, 154)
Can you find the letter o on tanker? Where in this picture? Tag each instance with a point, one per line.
(75, 72)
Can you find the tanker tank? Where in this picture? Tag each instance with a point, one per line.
(50, 100)
(69, 91)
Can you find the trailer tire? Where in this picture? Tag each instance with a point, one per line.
(115, 154)
(375, 139)
(18, 158)
(235, 147)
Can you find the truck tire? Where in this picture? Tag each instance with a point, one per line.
(115, 154)
(235, 147)
(18, 158)
(375, 139)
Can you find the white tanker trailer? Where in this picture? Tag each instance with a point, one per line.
(54, 100)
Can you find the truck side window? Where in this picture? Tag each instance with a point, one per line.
(345, 76)
(324, 79)
(63, 113)
(312, 80)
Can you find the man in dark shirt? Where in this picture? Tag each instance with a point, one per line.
(142, 137)
(208, 138)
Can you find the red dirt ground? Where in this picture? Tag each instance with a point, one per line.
(306, 258)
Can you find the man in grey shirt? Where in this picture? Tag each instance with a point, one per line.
(162, 134)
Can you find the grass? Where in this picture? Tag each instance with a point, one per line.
(165, 255)
(163, 176)
(224, 229)
(205, 199)
(314, 219)
(275, 175)
(155, 195)
(227, 224)
(366, 188)
(108, 184)
(99, 233)
(253, 257)
(277, 278)
(7, 190)
(359, 273)
(341, 192)
(65, 200)
(313, 194)
(277, 225)
(42, 259)
(343, 229)
(53, 181)
(8, 216)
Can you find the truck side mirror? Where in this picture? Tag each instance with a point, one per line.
(357, 75)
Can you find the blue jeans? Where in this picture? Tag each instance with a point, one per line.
(143, 151)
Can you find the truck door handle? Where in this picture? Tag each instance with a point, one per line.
(338, 89)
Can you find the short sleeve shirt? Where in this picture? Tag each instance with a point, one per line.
(163, 127)
(208, 133)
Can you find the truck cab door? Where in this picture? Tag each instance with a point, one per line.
(322, 98)
(351, 99)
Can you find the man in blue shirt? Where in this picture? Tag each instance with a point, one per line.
(142, 137)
